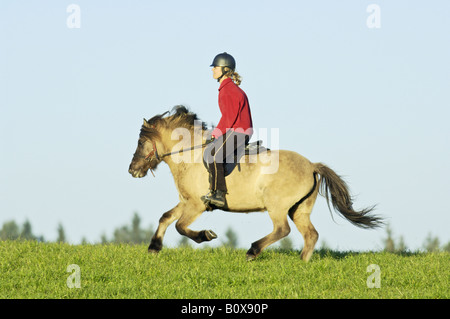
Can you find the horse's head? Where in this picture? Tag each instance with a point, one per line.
(156, 135)
(146, 155)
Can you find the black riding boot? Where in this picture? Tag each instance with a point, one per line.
(218, 198)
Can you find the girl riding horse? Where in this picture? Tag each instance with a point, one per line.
(233, 131)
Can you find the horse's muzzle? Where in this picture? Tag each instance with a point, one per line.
(137, 173)
(137, 170)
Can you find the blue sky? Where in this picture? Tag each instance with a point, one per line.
(372, 103)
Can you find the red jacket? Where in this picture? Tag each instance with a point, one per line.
(235, 109)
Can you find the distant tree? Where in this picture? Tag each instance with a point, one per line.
(121, 235)
(446, 247)
(401, 245)
(26, 232)
(132, 234)
(61, 234)
(9, 231)
(137, 235)
(286, 244)
(391, 246)
(431, 243)
(324, 245)
(232, 239)
(103, 239)
(184, 242)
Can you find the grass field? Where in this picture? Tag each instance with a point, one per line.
(39, 270)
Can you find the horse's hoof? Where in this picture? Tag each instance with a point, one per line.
(253, 252)
(155, 246)
(210, 235)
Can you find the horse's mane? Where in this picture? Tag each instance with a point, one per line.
(180, 116)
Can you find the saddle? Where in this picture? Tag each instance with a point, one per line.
(233, 160)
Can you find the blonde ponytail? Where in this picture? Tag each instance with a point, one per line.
(233, 75)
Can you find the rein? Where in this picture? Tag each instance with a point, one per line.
(180, 151)
(154, 153)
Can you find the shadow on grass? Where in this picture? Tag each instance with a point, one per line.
(322, 253)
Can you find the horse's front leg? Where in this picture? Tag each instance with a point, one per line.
(187, 218)
(166, 219)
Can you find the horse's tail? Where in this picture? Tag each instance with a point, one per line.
(332, 185)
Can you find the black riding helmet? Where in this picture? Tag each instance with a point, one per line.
(224, 60)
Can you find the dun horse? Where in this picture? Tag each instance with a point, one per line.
(290, 190)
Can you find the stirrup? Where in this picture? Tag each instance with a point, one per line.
(207, 198)
(218, 202)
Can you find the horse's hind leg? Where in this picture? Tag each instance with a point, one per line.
(301, 219)
(280, 229)
(309, 233)
(187, 218)
(166, 219)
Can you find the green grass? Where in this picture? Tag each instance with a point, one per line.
(38, 270)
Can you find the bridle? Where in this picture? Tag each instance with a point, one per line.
(150, 156)
(154, 153)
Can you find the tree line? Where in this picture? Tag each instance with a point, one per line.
(134, 233)
(430, 244)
